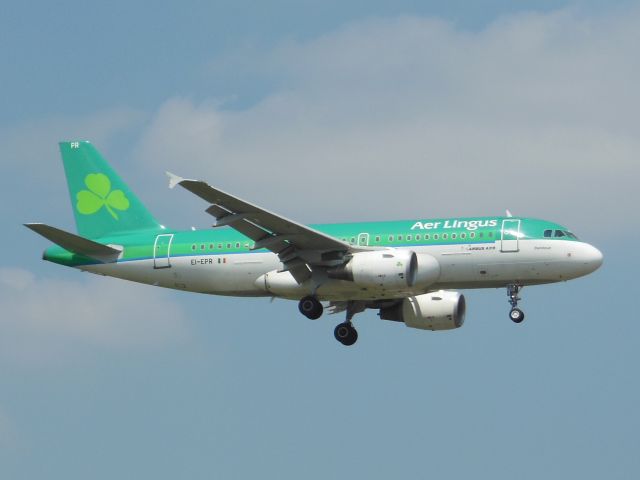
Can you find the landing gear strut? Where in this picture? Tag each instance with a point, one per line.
(310, 307)
(516, 315)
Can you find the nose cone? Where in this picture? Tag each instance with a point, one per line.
(589, 257)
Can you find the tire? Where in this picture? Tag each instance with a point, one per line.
(516, 315)
(310, 307)
(346, 334)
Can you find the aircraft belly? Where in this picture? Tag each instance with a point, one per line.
(141, 271)
(213, 274)
(224, 274)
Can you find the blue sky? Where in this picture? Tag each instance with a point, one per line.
(330, 111)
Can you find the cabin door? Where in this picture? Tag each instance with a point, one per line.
(510, 235)
(161, 251)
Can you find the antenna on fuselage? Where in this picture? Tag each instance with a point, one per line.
(509, 214)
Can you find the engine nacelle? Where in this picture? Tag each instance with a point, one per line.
(428, 270)
(392, 269)
(441, 310)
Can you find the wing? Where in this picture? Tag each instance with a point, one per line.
(298, 246)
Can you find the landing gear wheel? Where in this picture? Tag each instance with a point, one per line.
(516, 315)
(346, 334)
(310, 307)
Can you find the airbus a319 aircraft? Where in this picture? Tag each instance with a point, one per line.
(409, 271)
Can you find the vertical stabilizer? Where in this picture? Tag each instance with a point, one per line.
(102, 203)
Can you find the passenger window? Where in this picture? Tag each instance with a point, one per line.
(353, 240)
(211, 246)
(408, 238)
(480, 234)
(435, 236)
(391, 238)
(238, 245)
(453, 236)
(202, 247)
(445, 236)
(547, 233)
(228, 245)
(377, 238)
(219, 245)
(399, 238)
(490, 234)
(427, 236)
(418, 238)
(463, 235)
(193, 247)
(472, 235)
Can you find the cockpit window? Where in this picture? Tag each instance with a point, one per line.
(559, 234)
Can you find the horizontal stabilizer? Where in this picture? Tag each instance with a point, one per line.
(75, 243)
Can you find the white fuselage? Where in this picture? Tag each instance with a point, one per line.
(462, 266)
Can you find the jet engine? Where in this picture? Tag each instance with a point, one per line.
(390, 269)
(440, 310)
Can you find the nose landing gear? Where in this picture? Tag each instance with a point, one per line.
(516, 315)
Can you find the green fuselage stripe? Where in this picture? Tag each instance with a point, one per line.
(226, 241)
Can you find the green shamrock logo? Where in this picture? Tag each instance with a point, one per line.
(99, 195)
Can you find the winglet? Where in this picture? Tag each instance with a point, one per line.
(174, 179)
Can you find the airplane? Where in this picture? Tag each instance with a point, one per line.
(411, 271)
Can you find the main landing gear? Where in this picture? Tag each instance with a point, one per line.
(344, 332)
(516, 315)
(311, 307)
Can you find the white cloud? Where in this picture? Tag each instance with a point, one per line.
(49, 320)
(182, 132)
(411, 117)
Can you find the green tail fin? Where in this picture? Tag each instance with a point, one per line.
(102, 203)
